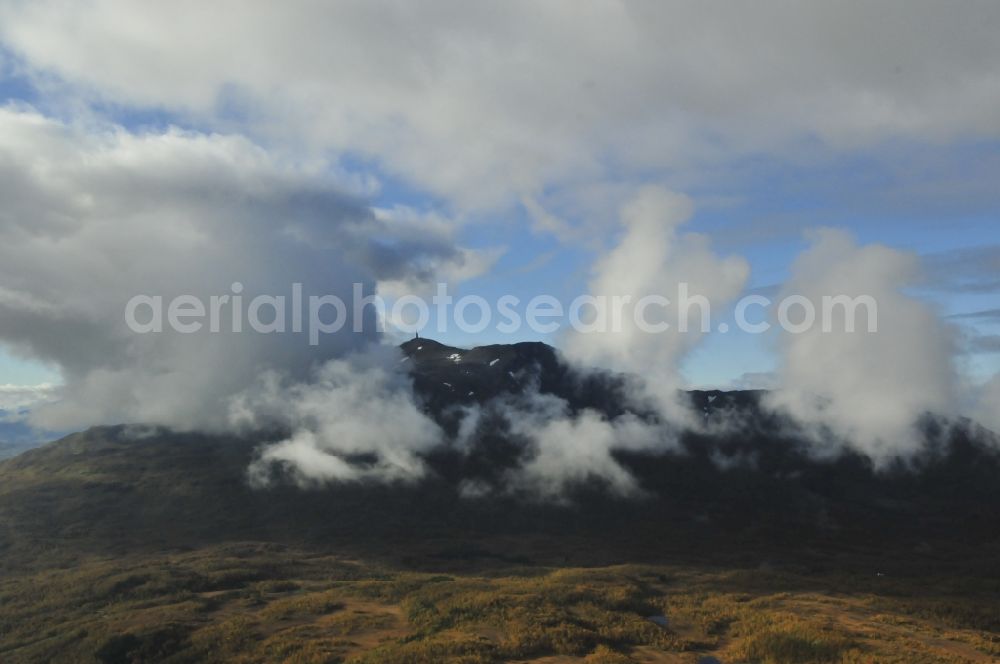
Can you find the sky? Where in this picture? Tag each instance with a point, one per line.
(491, 146)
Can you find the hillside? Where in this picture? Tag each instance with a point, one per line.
(131, 544)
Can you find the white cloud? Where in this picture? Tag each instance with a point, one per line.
(16, 398)
(866, 389)
(562, 448)
(361, 405)
(94, 216)
(654, 259)
(484, 102)
(572, 449)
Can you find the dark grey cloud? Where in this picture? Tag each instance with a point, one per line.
(967, 270)
(93, 217)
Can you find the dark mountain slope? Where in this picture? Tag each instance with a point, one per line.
(745, 496)
(446, 376)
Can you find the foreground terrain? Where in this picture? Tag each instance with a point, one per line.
(253, 602)
(123, 548)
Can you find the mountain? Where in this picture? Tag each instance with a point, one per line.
(446, 376)
(746, 491)
(133, 544)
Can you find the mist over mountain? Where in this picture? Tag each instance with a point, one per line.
(744, 476)
(521, 419)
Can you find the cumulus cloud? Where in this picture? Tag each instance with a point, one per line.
(681, 281)
(558, 447)
(569, 449)
(94, 216)
(479, 103)
(355, 419)
(863, 389)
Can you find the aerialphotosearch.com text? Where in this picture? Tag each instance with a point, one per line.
(682, 312)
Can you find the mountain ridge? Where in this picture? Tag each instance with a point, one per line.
(112, 488)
